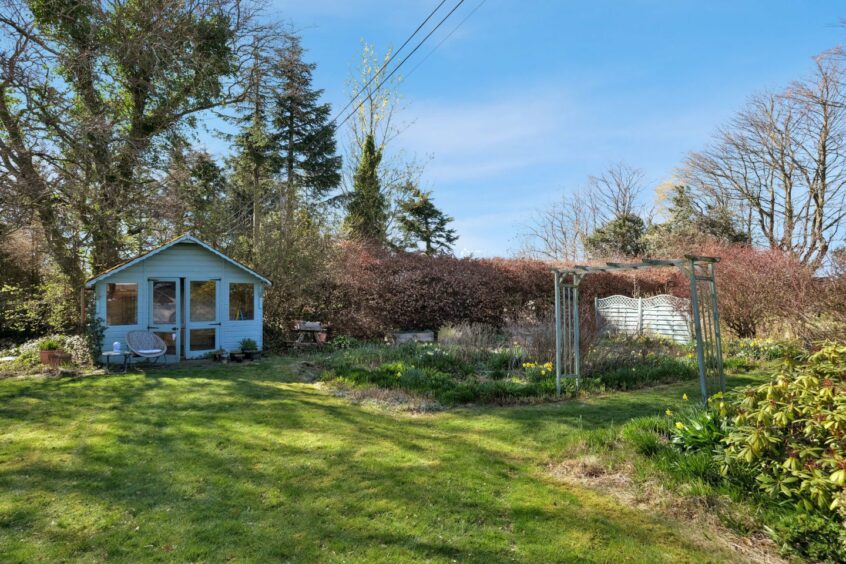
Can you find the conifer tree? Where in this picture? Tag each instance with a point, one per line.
(367, 215)
(421, 222)
(310, 167)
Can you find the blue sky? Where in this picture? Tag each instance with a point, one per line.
(529, 98)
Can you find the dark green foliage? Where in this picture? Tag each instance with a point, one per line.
(50, 345)
(657, 370)
(446, 375)
(421, 223)
(367, 209)
(811, 536)
(690, 224)
(779, 442)
(195, 197)
(95, 330)
(701, 430)
(622, 236)
(248, 345)
(302, 131)
(342, 342)
(648, 435)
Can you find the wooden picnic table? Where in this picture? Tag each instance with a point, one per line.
(308, 333)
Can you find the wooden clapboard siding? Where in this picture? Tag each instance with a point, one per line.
(189, 261)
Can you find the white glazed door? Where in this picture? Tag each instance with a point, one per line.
(202, 330)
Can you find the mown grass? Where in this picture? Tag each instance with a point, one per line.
(249, 463)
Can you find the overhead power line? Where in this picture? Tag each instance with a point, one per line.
(389, 61)
(396, 68)
(241, 215)
(445, 39)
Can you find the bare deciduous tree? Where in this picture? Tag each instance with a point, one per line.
(616, 191)
(559, 231)
(781, 165)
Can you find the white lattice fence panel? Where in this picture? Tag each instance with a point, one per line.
(664, 315)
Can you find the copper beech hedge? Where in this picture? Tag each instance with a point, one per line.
(368, 292)
(376, 291)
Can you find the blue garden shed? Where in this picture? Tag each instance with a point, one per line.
(194, 297)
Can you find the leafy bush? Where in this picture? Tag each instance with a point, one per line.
(811, 536)
(49, 344)
(700, 429)
(343, 342)
(787, 440)
(654, 370)
(28, 353)
(504, 360)
(791, 431)
(764, 349)
(248, 345)
(79, 349)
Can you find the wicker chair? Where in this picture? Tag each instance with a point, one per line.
(146, 345)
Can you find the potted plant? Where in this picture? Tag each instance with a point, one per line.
(220, 355)
(250, 349)
(52, 354)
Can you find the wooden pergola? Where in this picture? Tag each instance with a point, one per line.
(703, 303)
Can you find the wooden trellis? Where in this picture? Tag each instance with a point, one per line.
(703, 304)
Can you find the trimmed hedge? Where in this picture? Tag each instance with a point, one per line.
(378, 291)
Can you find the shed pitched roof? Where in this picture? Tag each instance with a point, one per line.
(183, 239)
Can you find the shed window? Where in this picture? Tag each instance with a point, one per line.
(121, 304)
(241, 302)
(203, 300)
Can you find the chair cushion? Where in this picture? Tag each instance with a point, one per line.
(150, 351)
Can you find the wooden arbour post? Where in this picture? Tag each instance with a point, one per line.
(706, 317)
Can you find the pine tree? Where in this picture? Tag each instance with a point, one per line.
(310, 167)
(422, 222)
(367, 214)
(256, 157)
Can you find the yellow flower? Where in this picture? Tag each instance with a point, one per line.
(684, 397)
(679, 425)
(669, 413)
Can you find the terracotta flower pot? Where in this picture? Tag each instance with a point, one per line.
(54, 358)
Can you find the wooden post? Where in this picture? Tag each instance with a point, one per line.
(697, 325)
(556, 276)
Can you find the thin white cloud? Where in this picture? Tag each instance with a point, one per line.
(480, 139)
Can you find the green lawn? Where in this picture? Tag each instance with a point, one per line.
(244, 463)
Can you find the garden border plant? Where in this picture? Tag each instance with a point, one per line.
(780, 446)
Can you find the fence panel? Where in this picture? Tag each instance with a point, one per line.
(664, 315)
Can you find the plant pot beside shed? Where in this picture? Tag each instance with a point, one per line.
(54, 357)
(249, 349)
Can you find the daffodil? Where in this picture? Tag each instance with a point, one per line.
(684, 397)
(679, 425)
(669, 413)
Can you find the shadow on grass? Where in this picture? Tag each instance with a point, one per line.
(239, 462)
